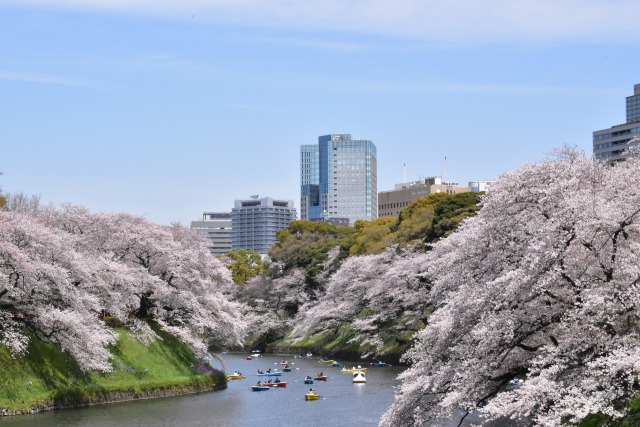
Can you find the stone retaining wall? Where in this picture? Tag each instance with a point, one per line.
(119, 396)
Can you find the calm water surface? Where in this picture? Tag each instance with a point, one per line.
(343, 403)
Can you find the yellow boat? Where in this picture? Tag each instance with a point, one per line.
(235, 376)
(327, 362)
(353, 370)
(311, 396)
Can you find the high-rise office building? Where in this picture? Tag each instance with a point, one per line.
(338, 178)
(310, 182)
(255, 221)
(216, 228)
(609, 144)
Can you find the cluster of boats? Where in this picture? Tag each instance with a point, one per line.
(358, 375)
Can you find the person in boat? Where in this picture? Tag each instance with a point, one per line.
(286, 365)
(269, 371)
(277, 380)
(260, 372)
(312, 391)
(259, 384)
(308, 377)
(319, 374)
(270, 380)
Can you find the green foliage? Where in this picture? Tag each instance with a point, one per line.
(450, 212)
(46, 374)
(244, 264)
(425, 220)
(416, 220)
(372, 237)
(306, 244)
(113, 322)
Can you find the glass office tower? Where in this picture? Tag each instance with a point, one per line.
(309, 182)
(338, 179)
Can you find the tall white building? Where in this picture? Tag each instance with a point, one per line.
(255, 221)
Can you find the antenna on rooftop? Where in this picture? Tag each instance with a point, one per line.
(404, 169)
(445, 170)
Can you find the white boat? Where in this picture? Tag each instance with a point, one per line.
(353, 370)
(359, 377)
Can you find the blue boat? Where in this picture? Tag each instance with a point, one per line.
(308, 381)
(259, 388)
(270, 374)
(380, 364)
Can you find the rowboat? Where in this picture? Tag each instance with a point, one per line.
(286, 369)
(327, 361)
(359, 377)
(353, 370)
(308, 381)
(235, 376)
(270, 374)
(380, 364)
(249, 357)
(259, 388)
(322, 378)
(280, 384)
(311, 396)
(305, 356)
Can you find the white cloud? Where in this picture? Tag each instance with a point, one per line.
(454, 21)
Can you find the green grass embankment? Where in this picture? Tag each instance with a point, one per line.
(46, 377)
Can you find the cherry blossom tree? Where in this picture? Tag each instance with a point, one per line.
(541, 286)
(40, 272)
(171, 277)
(368, 293)
(64, 270)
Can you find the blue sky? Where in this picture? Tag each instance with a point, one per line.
(169, 108)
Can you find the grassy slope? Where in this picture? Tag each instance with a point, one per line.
(56, 377)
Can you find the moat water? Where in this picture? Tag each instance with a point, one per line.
(342, 402)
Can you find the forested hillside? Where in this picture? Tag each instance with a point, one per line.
(355, 291)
